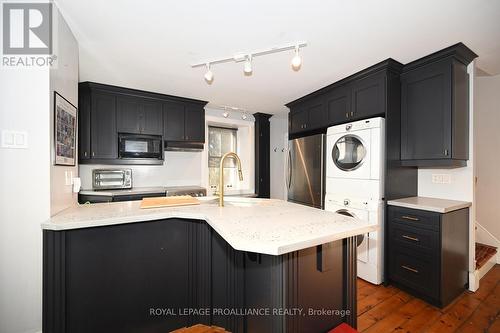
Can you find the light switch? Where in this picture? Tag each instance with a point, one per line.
(14, 139)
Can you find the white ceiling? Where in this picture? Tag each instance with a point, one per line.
(150, 44)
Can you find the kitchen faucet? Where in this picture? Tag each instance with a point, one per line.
(221, 174)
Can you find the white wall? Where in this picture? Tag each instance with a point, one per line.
(179, 169)
(24, 197)
(279, 146)
(26, 176)
(191, 168)
(487, 147)
(64, 80)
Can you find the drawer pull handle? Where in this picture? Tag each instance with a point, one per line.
(409, 269)
(411, 238)
(411, 218)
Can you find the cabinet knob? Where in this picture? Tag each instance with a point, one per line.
(446, 152)
(85, 153)
(347, 114)
(352, 113)
(93, 154)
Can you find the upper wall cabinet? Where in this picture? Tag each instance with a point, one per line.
(105, 111)
(435, 110)
(139, 116)
(359, 96)
(184, 125)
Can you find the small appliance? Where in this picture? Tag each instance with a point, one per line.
(109, 179)
(138, 146)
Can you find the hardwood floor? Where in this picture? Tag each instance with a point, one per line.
(388, 309)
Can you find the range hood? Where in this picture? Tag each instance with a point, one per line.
(183, 146)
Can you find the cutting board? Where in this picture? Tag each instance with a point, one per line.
(158, 202)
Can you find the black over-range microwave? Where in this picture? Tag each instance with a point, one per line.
(138, 146)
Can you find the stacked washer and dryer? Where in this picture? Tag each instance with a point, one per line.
(355, 171)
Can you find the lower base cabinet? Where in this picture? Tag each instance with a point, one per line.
(428, 253)
(162, 275)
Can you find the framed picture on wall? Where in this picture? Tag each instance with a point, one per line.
(64, 131)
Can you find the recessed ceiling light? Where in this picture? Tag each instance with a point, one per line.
(209, 76)
(296, 60)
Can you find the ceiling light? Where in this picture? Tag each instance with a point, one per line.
(209, 76)
(296, 60)
(225, 114)
(247, 69)
(244, 116)
(248, 56)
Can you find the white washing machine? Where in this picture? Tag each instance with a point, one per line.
(356, 150)
(370, 246)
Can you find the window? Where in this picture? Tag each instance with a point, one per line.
(220, 141)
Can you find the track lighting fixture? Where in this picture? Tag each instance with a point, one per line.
(296, 60)
(244, 116)
(248, 57)
(209, 76)
(247, 69)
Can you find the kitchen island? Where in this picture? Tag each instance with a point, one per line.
(255, 265)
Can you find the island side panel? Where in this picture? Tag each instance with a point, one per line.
(107, 279)
(314, 281)
(228, 283)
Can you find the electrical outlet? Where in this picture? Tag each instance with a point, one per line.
(441, 178)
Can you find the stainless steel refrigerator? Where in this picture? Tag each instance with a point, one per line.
(305, 170)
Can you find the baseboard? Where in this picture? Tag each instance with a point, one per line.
(486, 267)
(474, 281)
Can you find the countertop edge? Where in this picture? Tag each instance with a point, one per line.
(279, 250)
(429, 208)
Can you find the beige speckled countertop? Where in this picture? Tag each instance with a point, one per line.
(265, 226)
(430, 204)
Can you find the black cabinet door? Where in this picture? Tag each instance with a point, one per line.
(298, 120)
(194, 126)
(173, 117)
(368, 97)
(338, 105)
(151, 118)
(426, 112)
(84, 149)
(316, 116)
(128, 115)
(104, 142)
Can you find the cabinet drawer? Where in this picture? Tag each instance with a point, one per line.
(416, 239)
(420, 272)
(415, 218)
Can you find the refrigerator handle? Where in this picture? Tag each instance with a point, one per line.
(288, 178)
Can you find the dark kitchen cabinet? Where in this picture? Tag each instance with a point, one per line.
(194, 125)
(308, 116)
(183, 122)
(103, 134)
(262, 155)
(427, 253)
(173, 117)
(139, 116)
(338, 104)
(105, 111)
(298, 120)
(435, 110)
(360, 96)
(368, 97)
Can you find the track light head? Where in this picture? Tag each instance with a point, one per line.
(209, 76)
(296, 60)
(247, 69)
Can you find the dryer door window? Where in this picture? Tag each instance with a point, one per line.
(348, 152)
(359, 238)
